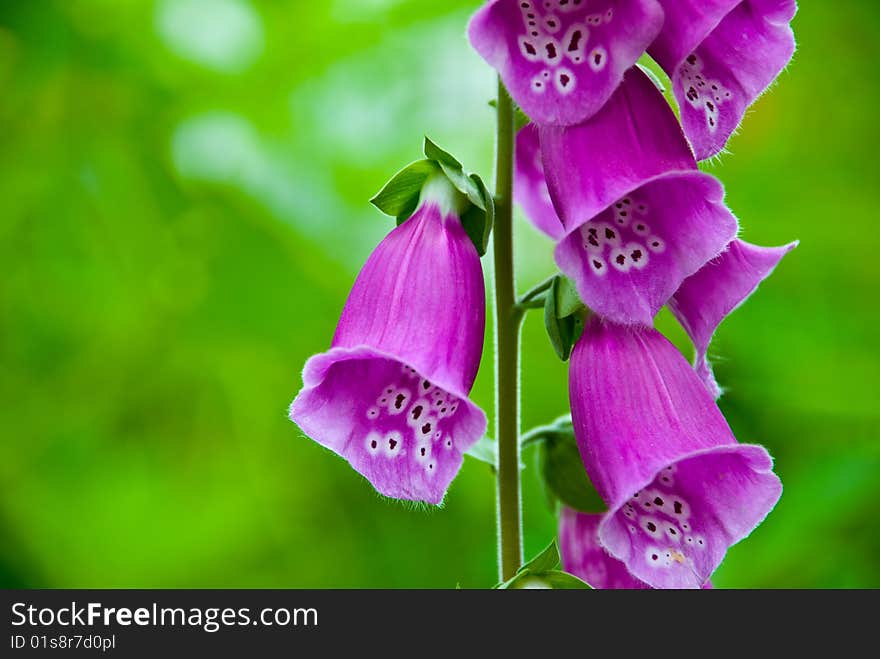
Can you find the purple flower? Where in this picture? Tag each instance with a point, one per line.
(585, 558)
(530, 186)
(562, 59)
(679, 488)
(390, 396)
(721, 55)
(638, 217)
(707, 297)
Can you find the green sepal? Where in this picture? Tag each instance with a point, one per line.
(564, 476)
(400, 196)
(543, 572)
(480, 217)
(563, 316)
(547, 559)
(485, 450)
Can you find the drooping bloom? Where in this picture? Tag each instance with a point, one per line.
(585, 558)
(709, 296)
(562, 59)
(530, 187)
(639, 217)
(679, 488)
(391, 394)
(721, 55)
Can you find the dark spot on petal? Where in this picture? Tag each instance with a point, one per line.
(551, 50)
(636, 256)
(609, 234)
(677, 507)
(399, 401)
(426, 429)
(651, 526)
(658, 501)
(530, 49)
(373, 444)
(564, 80)
(692, 59)
(621, 259)
(417, 412)
(392, 443)
(574, 44)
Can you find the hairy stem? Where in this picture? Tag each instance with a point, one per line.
(507, 325)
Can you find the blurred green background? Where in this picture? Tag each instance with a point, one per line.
(183, 207)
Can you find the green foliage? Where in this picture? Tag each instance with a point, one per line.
(563, 316)
(542, 572)
(478, 219)
(399, 197)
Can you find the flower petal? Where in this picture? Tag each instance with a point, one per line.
(707, 297)
(391, 394)
(421, 298)
(680, 490)
(633, 139)
(584, 557)
(405, 434)
(630, 259)
(530, 187)
(562, 59)
(731, 67)
(686, 24)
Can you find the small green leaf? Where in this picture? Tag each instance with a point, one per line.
(564, 474)
(568, 302)
(546, 560)
(442, 157)
(485, 450)
(558, 580)
(563, 316)
(549, 580)
(479, 219)
(400, 196)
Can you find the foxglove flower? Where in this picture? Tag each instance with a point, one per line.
(721, 55)
(639, 217)
(391, 394)
(530, 186)
(679, 488)
(585, 558)
(707, 297)
(562, 59)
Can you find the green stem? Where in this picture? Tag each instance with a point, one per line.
(535, 291)
(507, 325)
